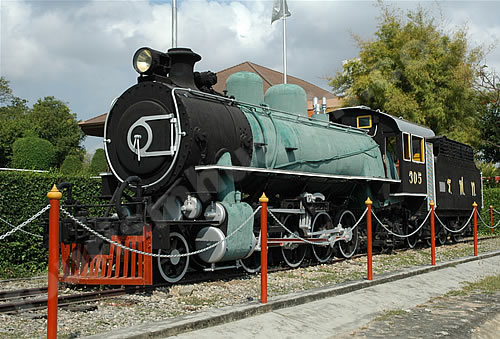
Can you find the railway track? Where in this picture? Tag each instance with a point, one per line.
(22, 293)
(40, 300)
(36, 299)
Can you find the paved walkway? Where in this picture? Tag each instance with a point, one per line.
(471, 316)
(345, 314)
(354, 309)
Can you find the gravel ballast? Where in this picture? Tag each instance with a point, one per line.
(168, 302)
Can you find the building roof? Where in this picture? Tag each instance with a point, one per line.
(95, 126)
(271, 77)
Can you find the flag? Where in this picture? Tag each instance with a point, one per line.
(278, 10)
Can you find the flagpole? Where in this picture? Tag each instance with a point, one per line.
(284, 41)
(174, 23)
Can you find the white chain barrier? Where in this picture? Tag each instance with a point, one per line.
(494, 210)
(97, 234)
(14, 226)
(485, 224)
(17, 228)
(402, 235)
(312, 242)
(454, 231)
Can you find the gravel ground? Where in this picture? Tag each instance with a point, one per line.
(177, 300)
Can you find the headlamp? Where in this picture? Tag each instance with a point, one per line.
(143, 60)
(148, 61)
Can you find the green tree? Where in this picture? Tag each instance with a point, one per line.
(33, 153)
(415, 70)
(98, 163)
(488, 86)
(5, 91)
(488, 169)
(13, 121)
(52, 120)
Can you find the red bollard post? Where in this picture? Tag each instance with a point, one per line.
(433, 235)
(54, 195)
(368, 203)
(263, 248)
(475, 228)
(491, 219)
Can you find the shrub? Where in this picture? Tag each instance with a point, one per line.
(33, 153)
(98, 163)
(72, 164)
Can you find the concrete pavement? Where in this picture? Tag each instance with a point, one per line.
(323, 313)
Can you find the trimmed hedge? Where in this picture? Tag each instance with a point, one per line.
(491, 198)
(22, 194)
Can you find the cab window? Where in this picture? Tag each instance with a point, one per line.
(391, 157)
(417, 144)
(406, 147)
(364, 121)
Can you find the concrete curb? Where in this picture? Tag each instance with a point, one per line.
(227, 314)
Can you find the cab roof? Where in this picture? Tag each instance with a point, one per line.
(399, 124)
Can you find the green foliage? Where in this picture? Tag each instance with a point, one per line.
(489, 124)
(488, 87)
(488, 169)
(52, 120)
(5, 91)
(49, 119)
(22, 252)
(33, 153)
(72, 164)
(491, 197)
(415, 70)
(13, 125)
(98, 163)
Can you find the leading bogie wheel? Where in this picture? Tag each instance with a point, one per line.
(173, 269)
(322, 222)
(347, 219)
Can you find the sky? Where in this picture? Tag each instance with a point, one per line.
(80, 51)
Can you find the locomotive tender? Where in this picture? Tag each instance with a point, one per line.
(191, 163)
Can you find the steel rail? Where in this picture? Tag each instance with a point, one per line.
(24, 292)
(65, 300)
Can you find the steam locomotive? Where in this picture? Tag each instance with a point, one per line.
(188, 165)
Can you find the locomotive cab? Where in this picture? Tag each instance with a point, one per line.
(403, 146)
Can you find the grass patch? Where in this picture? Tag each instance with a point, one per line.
(488, 285)
(387, 315)
(199, 301)
(325, 278)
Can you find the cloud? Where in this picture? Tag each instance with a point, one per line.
(81, 51)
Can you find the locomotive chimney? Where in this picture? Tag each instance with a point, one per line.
(182, 66)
